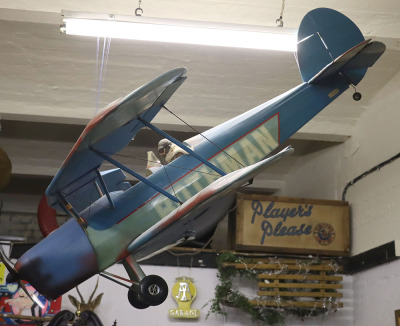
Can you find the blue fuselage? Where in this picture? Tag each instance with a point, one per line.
(239, 142)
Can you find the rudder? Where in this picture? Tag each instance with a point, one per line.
(324, 35)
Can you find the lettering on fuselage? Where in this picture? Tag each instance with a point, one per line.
(248, 150)
(252, 146)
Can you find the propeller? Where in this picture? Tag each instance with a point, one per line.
(13, 277)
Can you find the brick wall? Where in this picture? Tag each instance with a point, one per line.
(23, 225)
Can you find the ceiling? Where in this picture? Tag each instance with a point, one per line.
(50, 86)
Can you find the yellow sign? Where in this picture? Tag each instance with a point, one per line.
(2, 274)
(184, 292)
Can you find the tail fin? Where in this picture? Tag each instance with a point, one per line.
(329, 43)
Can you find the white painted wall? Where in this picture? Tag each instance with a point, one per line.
(315, 175)
(377, 295)
(375, 204)
(115, 305)
(375, 199)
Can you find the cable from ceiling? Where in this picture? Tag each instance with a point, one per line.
(363, 175)
(101, 69)
(279, 21)
(139, 11)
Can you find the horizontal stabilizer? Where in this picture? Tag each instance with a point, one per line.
(175, 227)
(362, 56)
(366, 57)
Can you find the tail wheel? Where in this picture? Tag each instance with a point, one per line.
(357, 96)
(153, 290)
(136, 300)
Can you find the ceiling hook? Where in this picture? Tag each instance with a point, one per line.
(279, 22)
(138, 10)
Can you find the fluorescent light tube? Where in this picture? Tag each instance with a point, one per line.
(179, 31)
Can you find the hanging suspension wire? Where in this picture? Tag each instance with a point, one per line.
(103, 68)
(279, 21)
(97, 74)
(209, 140)
(139, 11)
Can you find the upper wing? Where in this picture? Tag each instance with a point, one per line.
(109, 132)
(181, 223)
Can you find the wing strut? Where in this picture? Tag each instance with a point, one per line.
(137, 175)
(71, 211)
(178, 143)
(103, 184)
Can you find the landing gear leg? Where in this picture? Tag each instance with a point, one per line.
(146, 291)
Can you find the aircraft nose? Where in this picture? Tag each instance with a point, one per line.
(59, 262)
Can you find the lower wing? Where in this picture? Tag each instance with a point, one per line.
(184, 222)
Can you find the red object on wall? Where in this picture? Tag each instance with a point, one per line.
(11, 303)
(46, 217)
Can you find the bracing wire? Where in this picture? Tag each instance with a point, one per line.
(145, 160)
(170, 182)
(201, 134)
(171, 165)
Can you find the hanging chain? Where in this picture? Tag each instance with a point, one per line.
(279, 21)
(139, 10)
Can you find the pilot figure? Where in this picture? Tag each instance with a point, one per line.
(169, 151)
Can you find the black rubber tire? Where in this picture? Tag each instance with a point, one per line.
(357, 96)
(12, 277)
(153, 290)
(136, 300)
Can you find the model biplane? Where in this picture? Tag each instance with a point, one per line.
(113, 221)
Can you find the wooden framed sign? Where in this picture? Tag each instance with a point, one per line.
(292, 225)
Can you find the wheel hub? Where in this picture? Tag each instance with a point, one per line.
(154, 289)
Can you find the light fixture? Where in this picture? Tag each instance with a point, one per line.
(178, 31)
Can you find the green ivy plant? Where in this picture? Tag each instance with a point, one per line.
(227, 295)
